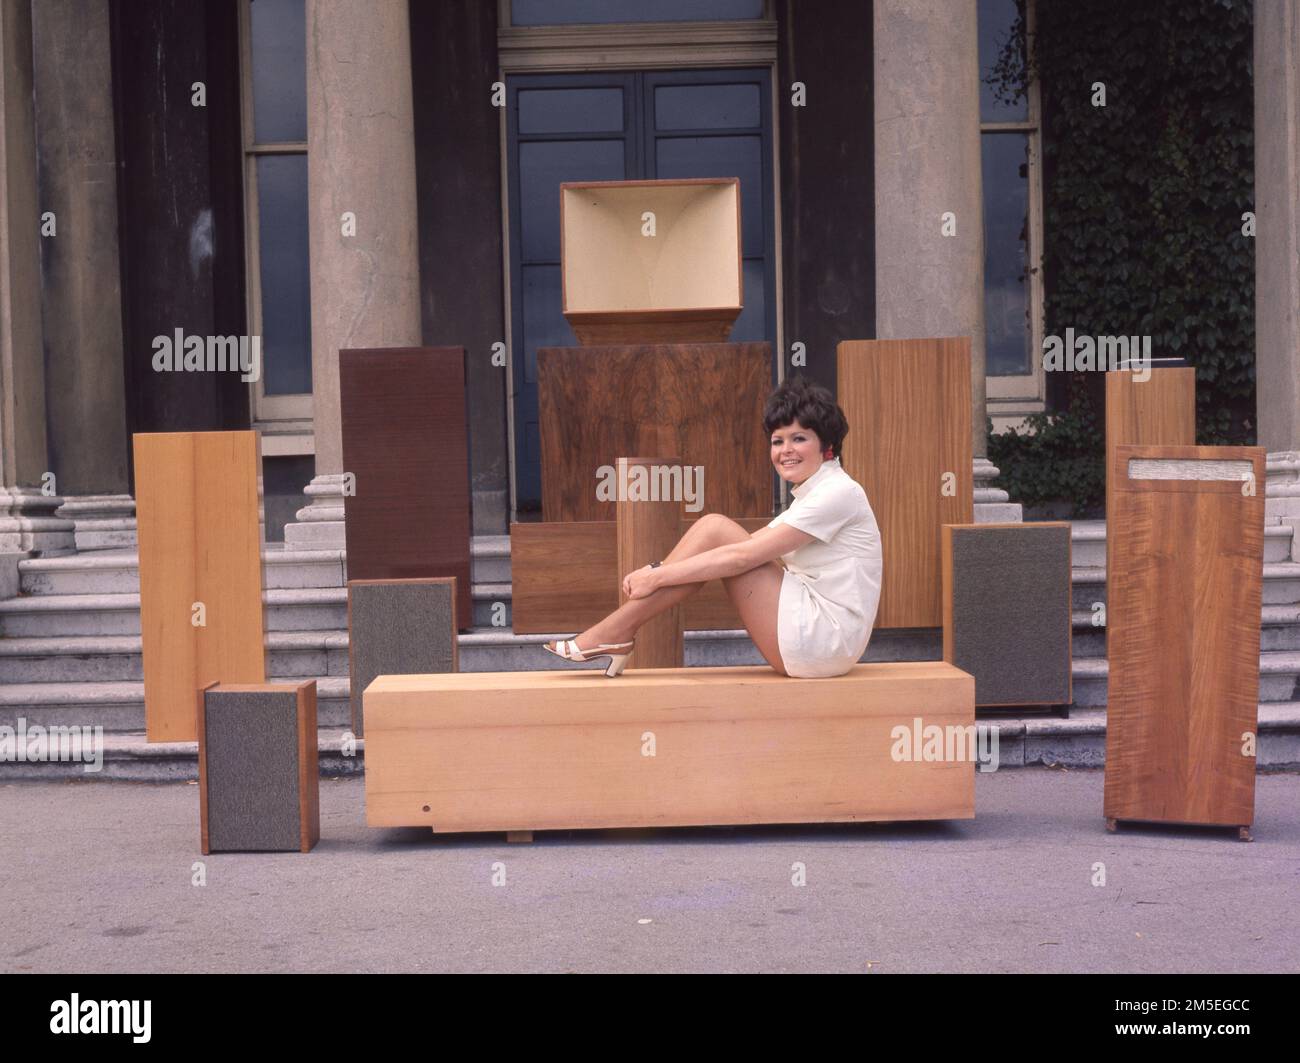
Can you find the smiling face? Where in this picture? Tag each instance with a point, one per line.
(796, 452)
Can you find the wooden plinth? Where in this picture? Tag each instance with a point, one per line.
(200, 545)
(647, 531)
(566, 576)
(1185, 588)
(908, 404)
(522, 751)
(701, 401)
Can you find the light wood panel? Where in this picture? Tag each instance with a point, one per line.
(518, 751)
(701, 401)
(908, 404)
(200, 540)
(565, 577)
(684, 282)
(1185, 588)
(1159, 411)
(647, 531)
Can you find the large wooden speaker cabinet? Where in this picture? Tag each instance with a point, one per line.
(1184, 615)
(405, 443)
(702, 402)
(200, 541)
(651, 261)
(908, 404)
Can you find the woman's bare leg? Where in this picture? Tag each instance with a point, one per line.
(621, 625)
(756, 595)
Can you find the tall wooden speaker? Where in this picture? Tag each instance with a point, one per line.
(1185, 592)
(201, 613)
(908, 404)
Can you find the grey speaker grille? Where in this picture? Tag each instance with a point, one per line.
(251, 742)
(398, 628)
(1011, 613)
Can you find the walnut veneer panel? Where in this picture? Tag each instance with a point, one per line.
(565, 577)
(200, 541)
(1185, 587)
(405, 441)
(702, 402)
(519, 751)
(1159, 411)
(908, 404)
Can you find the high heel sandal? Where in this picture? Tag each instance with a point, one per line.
(569, 650)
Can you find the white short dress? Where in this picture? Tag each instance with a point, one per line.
(831, 587)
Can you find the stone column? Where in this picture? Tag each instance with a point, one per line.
(361, 161)
(27, 520)
(82, 296)
(927, 138)
(1277, 256)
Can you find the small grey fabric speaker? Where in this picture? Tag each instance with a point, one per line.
(258, 791)
(399, 627)
(1007, 610)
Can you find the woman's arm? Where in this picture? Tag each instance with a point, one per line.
(732, 559)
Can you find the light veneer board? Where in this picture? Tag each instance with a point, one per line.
(908, 404)
(1185, 592)
(565, 577)
(200, 542)
(521, 751)
(1158, 411)
(399, 627)
(1006, 610)
(700, 401)
(259, 775)
(622, 282)
(405, 442)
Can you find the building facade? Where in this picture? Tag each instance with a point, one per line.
(294, 177)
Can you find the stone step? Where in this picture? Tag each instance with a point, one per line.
(1088, 543)
(118, 571)
(1040, 739)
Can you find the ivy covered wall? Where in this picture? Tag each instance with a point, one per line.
(1144, 200)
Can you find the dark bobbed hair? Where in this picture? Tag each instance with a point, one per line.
(798, 399)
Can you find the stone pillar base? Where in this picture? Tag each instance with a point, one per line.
(1282, 494)
(319, 526)
(28, 523)
(992, 504)
(103, 522)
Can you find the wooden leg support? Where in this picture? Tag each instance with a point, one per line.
(1112, 825)
(519, 836)
(1243, 834)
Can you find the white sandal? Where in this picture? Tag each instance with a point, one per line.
(569, 650)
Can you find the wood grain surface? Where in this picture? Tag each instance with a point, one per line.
(908, 404)
(200, 540)
(519, 751)
(565, 577)
(1184, 613)
(1160, 411)
(703, 402)
(405, 441)
(647, 532)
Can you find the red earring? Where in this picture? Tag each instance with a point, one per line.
(830, 453)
